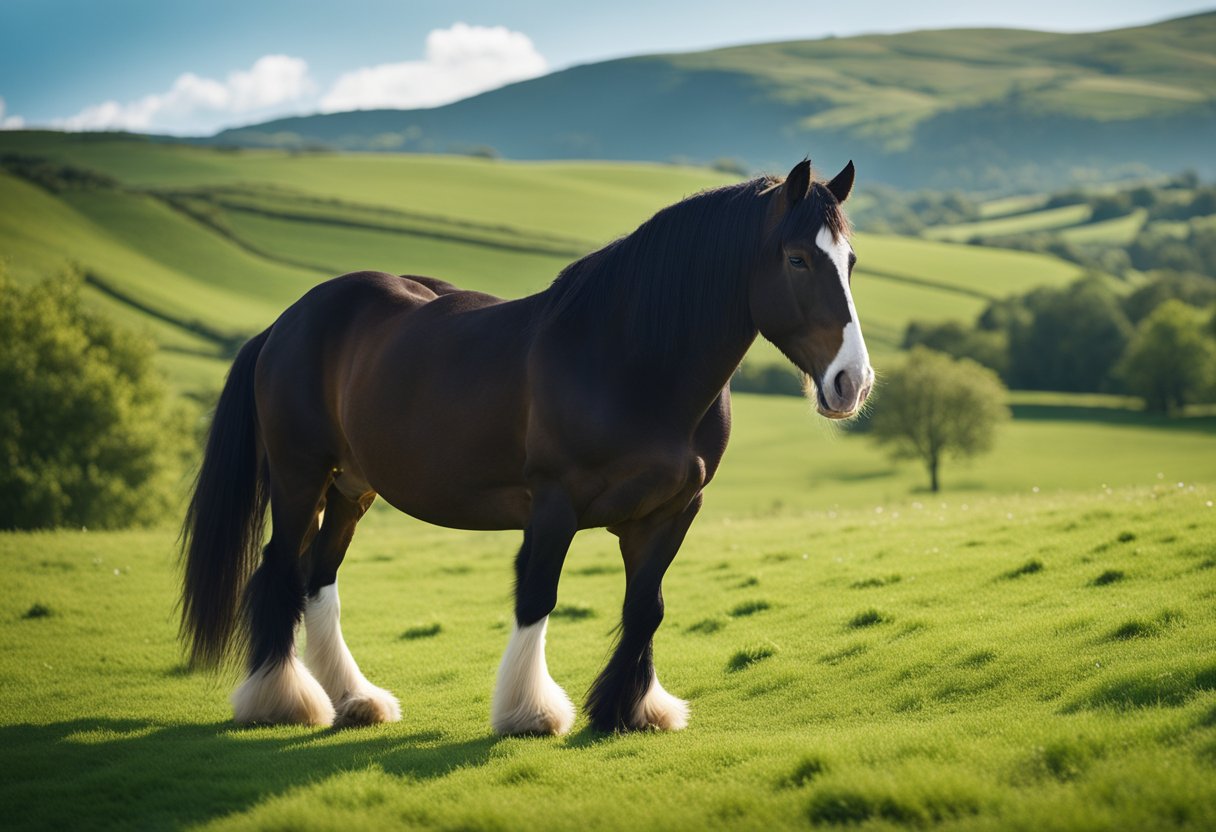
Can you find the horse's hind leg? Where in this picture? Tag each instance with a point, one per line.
(279, 689)
(526, 699)
(356, 700)
(627, 695)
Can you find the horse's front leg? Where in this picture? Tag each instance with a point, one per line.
(526, 699)
(627, 695)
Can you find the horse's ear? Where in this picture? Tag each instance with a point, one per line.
(797, 183)
(842, 185)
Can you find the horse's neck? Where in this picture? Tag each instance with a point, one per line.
(689, 374)
(686, 339)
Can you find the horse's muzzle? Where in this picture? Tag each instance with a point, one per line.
(843, 395)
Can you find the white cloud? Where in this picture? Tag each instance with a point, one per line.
(270, 87)
(10, 122)
(461, 61)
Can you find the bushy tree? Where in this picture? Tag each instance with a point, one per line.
(1171, 359)
(933, 407)
(1070, 339)
(1192, 289)
(88, 434)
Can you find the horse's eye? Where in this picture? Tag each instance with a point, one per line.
(797, 262)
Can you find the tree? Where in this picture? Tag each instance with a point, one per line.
(1171, 359)
(1071, 339)
(933, 407)
(1191, 289)
(88, 434)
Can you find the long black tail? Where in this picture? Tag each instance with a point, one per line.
(222, 533)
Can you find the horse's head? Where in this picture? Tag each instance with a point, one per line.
(800, 295)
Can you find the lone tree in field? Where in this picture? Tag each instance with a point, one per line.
(88, 434)
(933, 406)
(1171, 359)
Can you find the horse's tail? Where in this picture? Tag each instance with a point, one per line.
(222, 533)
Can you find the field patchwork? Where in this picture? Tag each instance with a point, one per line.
(202, 245)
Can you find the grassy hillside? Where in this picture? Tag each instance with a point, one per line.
(1031, 662)
(783, 456)
(203, 245)
(1019, 223)
(981, 107)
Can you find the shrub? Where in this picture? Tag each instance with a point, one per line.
(88, 434)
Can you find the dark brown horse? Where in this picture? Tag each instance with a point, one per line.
(601, 401)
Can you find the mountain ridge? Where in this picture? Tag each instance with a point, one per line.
(973, 108)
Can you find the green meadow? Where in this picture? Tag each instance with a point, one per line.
(1039, 661)
(1029, 649)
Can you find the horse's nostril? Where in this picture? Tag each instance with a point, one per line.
(838, 383)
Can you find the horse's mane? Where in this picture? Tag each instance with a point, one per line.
(680, 278)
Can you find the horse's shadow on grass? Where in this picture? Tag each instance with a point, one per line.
(100, 773)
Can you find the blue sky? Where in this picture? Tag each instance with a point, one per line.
(195, 67)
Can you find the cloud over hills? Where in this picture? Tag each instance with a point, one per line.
(194, 102)
(13, 122)
(459, 61)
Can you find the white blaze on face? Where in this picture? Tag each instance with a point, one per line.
(852, 359)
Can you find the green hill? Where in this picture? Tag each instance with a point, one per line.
(978, 108)
(205, 245)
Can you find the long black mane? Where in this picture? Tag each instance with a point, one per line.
(680, 280)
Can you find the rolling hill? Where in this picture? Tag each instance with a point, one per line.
(203, 245)
(977, 109)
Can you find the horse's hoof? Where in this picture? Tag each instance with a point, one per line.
(367, 707)
(548, 712)
(660, 710)
(281, 693)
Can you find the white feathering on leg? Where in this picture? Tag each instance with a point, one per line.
(659, 709)
(358, 701)
(526, 699)
(281, 692)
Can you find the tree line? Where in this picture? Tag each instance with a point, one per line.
(1158, 342)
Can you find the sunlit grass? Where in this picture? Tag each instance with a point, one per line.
(948, 696)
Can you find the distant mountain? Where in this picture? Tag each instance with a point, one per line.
(968, 108)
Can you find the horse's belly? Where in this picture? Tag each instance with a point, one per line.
(463, 508)
(446, 471)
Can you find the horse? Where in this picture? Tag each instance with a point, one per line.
(601, 401)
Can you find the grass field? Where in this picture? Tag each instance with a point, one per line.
(783, 457)
(1022, 662)
(1117, 231)
(1046, 219)
(229, 239)
(1030, 649)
